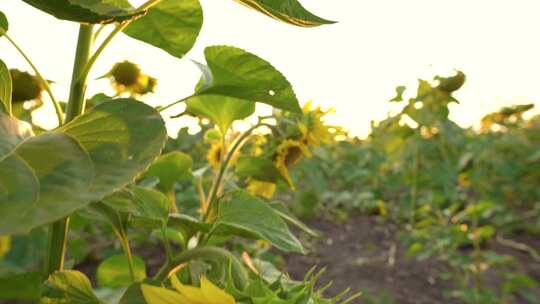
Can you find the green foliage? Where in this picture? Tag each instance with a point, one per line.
(68, 286)
(101, 151)
(101, 170)
(5, 88)
(4, 24)
(251, 217)
(171, 25)
(289, 11)
(114, 272)
(100, 11)
(233, 72)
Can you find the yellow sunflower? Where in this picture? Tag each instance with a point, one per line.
(260, 188)
(5, 245)
(290, 152)
(313, 129)
(214, 155)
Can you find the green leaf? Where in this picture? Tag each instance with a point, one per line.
(4, 24)
(6, 85)
(251, 217)
(171, 25)
(221, 110)
(123, 137)
(62, 181)
(158, 295)
(289, 11)
(114, 271)
(186, 224)
(81, 162)
(133, 295)
(84, 11)
(151, 204)
(258, 168)
(236, 73)
(170, 168)
(289, 217)
(22, 286)
(68, 286)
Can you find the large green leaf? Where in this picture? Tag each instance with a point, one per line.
(233, 72)
(170, 168)
(171, 25)
(6, 85)
(57, 172)
(221, 110)
(258, 168)
(122, 137)
(289, 11)
(114, 271)
(68, 286)
(87, 11)
(62, 181)
(251, 217)
(22, 286)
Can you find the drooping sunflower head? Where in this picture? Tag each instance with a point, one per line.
(312, 127)
(128, 77)
(288, 153)
(214, 155)
(25, 86)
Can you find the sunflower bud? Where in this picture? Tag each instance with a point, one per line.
(451, 84)
(125, 73)
(25, 86)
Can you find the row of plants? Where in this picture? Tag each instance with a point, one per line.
(107, 190)
(453, 191)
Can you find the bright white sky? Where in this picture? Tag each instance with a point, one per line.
(352, 66)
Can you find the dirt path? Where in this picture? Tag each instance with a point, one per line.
(365, 253)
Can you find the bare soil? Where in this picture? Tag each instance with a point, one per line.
(365, 253)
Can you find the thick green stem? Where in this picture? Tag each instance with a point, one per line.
(211, 254)
(77, 92)
(58, 230)
(56, 247)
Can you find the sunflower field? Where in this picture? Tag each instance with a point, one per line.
(281, 208)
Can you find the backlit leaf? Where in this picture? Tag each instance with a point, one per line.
(171, 25)
(289, 11)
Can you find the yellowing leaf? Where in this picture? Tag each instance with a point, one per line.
(208, 293)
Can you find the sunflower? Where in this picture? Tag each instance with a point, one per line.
(25, 86)
(5, 245)
(127, 77)
(290, 152)
(312, 128)
(214, 155)
(261, 188)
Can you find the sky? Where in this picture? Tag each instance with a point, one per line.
(352, 66)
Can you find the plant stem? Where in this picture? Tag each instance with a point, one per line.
(77, 101)
(120, 27)
(58, 230)
(224, 165)
(45, 83)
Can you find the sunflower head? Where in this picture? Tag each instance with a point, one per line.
(127, 77)
(125, 73)
(288, 153)
(214, 155)
(5, 245)
(312, 126)
(25, 86)
(261, 188)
